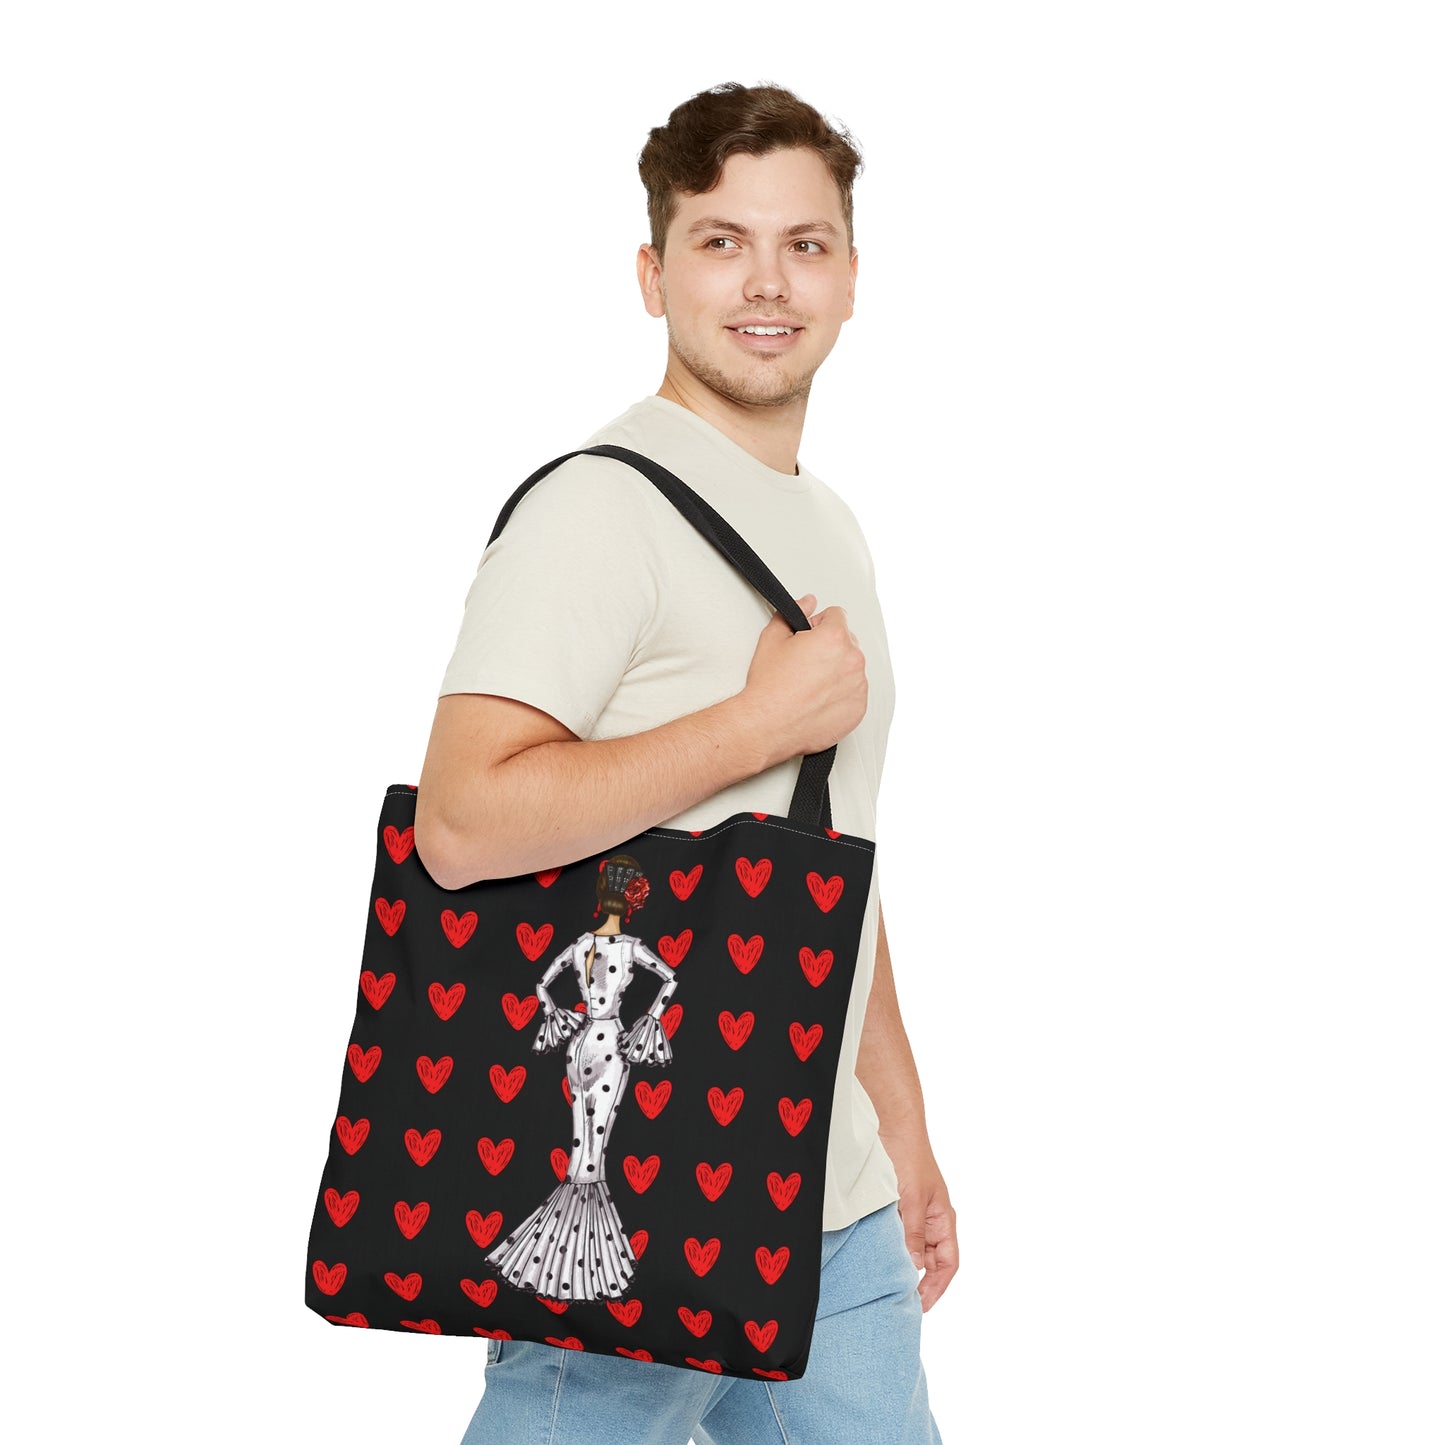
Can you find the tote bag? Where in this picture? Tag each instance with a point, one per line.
(589, 1106)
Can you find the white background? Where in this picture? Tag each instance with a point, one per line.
(1141, 412)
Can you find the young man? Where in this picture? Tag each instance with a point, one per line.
(614, 673)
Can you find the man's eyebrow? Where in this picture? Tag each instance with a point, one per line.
(720, 223)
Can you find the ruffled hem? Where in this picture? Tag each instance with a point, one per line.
(646, 1042)
(572, 1246)
(558, 1025)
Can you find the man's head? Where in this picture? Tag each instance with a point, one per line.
(750, 198)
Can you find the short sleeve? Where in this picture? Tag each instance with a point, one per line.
(566, 595)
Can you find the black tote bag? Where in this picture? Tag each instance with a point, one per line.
(589, 1106)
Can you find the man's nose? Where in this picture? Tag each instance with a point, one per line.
(766, 281)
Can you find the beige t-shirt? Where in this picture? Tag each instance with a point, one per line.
(600, 605)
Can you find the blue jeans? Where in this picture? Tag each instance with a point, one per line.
(864, 1382)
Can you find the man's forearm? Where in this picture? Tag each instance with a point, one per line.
(553, 803)
(885, 1064)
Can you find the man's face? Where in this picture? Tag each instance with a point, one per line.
(767, 247)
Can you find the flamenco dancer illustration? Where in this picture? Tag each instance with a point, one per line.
(574, 1245)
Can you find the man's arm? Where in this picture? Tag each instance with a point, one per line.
(887, 1072)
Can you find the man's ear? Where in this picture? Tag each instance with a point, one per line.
(852, 280)
(649, 279)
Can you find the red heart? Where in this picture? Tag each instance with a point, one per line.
(480, 1294)
(433, 1075)
(560, 1161)
(714, 1181)
(761, 1335)
(825, 895)
(671, 1017)
(735, 1030)
(804, 1040)
(355, 1319)
(784, 1191)
(711, 1365)
(363, 1061)
(483, 1228)
(507, 1083)
(770, 1374)
(491, 1334)
(651, 1098)
(832, 832)
(816, 965)
(495, 1157)
(724, 1106)
(627, 1313)
(377, 990)
(557, 1306)
(389, 915)
(634, 1354)
(772, 1262)
(701, 1256)
(570, 1343)
(760, 816)
(699, 1323)
(639, 1244)
(519, 1011)
(341, 1206)
(673, 950)
(446, 1001)
(745, 955)
(794, 1116)
(425, 1327)
(352, 1136)
(566, 1091)
(641, 1172)
(399, 845)
(422, 1147)
(328, 1281)
(533, 940)
(410, 1219)
(548, 876)
(754, 876)
(458, 930)
(683, 883)
(407, 1288)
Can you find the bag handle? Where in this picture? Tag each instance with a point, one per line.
(810, 803)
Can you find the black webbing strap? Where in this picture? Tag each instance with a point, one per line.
(810, 804)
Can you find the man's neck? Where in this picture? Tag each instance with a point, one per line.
(769, 433)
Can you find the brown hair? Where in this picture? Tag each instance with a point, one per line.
(687, 154)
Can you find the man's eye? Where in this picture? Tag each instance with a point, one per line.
(816, 245)
(721, 243)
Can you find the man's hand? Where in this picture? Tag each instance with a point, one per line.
(930, 1225)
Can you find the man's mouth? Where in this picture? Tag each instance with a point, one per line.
(766, 330)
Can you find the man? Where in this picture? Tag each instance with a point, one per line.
(613, 673)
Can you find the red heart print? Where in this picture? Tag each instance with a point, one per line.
(446, 1001)
(433, 1075)
(410, 1219)
(422, 1147)
(483, 1227)
(760, 816)
(519, 1011)
(804, 1040)
(491, 1334)
(651, 1098)
(407, 1288)
(832, 832)
(815, 965)
(724, 1106)
(557, 1306)
(735, 1030)
(570, 1343)
(389, 915)
(683, 883)
(626, 1312)
(641, 1172)
(772, 1262)
(671, 1017)
(363, 1061)
(560, 1161)
(672, 950)
(754, 876)
(458, 930)
(495, 1157)
(482, 1293)
(634, 1354)
(825, 895)
(794, 1116)
(423, 1327)
(710, 1365)
(533, 940)
(548, 876)
(356, 1319)
(770, 1374)
(701, 1256)
(567, 1091)
(713, 1181)
(761, 1335)
(639, 1243)
(745, 954)
(399, 845)
(783, 1191)
(507, 1082)
(377, 990)
(352, 1136)
(699, 1323)
(341, 1206)
(328, 1281)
